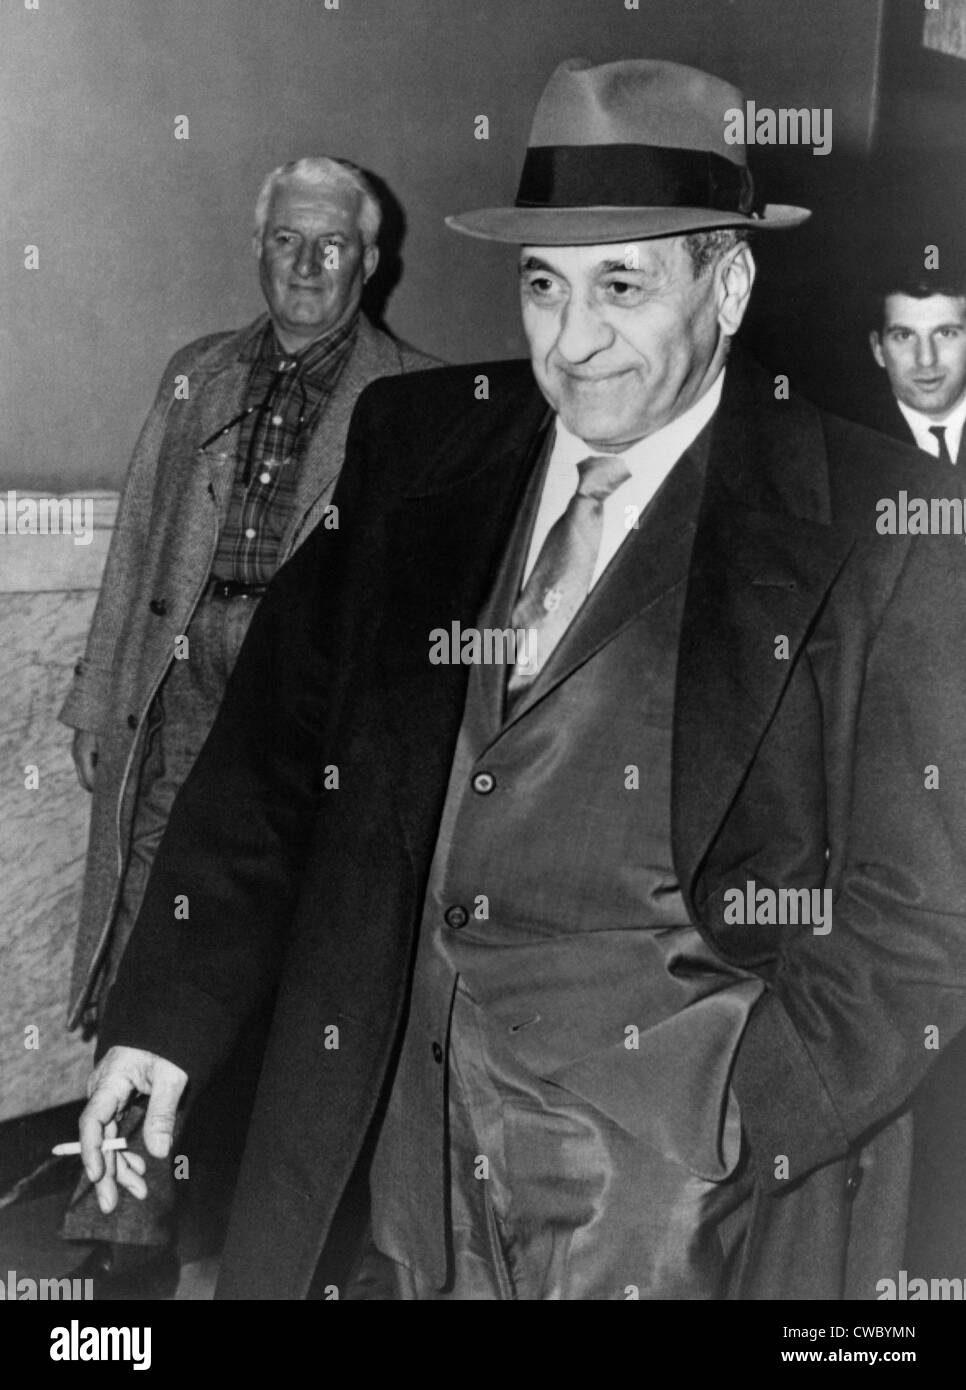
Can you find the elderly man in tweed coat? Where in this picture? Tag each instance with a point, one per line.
(235, 466)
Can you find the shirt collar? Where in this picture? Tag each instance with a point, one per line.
(921, 424)
(669, 442)
(266, 348)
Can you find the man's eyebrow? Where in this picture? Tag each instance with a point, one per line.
(602, 267)
(295, 231)
(899, 327)
(608, 267)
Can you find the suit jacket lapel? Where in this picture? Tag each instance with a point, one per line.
(220, 378)
(446, 545)
(883, 415)
(650, 561)
(892, 422)
(498, 608)
(765, 553)
(901, 426)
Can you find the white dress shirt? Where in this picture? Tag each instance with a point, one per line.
(920, 425)
(650, 460)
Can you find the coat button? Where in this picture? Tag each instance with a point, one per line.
(456, 917)
(132, 721)
(484, 782)
(437, 1053)
(853, 1182)
(78, 669)
(158, 607)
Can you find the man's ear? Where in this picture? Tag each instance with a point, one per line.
(370, 259)
(735, 274)
(875, 343)
(257, 245)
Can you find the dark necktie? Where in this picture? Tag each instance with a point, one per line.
(560, 579)
(940, 432)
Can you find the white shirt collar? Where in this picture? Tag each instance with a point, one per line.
(922, 424)
(650, 460)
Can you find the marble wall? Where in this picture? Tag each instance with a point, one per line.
(48, 585)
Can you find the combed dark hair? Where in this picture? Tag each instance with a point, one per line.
(705, 248)
(916, 282)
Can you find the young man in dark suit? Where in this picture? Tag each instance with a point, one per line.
(602, 829)
(920, 342)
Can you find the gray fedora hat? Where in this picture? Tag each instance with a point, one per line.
(625, 151)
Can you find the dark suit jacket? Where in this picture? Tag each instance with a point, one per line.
(319, 888)
(882, 413)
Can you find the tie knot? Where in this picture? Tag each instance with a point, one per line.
(939, 431)
(600, 475)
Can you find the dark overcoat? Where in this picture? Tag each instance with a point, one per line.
(164, 542)
(820, 686)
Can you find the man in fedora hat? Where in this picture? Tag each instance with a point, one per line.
(602, 831)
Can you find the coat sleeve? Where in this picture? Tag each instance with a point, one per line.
(239, 835)
(851, 1020)
(87, 704)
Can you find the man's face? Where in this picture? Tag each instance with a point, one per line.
(312, 263)
(922, 347)
(623, 338)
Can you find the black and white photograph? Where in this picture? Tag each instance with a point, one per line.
(483, 631)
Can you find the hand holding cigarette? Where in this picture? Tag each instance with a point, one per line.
(122, 1072)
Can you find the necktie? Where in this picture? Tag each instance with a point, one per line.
(940, 432)
(560, 579)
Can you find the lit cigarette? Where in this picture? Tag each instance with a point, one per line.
(74, 1147)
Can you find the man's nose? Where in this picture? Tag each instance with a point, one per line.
(582, 331)
(925, 352)
(308, 262)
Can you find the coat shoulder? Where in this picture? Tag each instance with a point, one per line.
(212, 351)
(427, 429)
(415, 361)
(190, 356)
(432, 398)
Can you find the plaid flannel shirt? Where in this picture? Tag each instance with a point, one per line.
(286, 396)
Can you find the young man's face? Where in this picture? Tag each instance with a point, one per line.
(922, 347)
(623, 338)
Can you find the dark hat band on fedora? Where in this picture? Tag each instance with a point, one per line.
(623, 175)
(628, 150)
